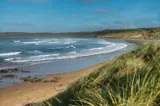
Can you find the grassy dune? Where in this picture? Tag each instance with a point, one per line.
(132, 79)
(137, 33)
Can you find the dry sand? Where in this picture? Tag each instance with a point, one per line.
(21, 94)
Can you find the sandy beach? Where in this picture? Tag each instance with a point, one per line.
(79, 53)
(51, 85)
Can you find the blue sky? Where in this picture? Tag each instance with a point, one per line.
(77, 15)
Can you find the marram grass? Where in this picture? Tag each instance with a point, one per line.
(132, 79)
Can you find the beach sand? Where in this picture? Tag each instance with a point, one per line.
(51, 85)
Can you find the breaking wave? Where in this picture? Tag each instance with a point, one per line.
(70, 55)
(49, 41)
(9, 54)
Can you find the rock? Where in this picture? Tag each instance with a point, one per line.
(30, 79)
(13, 70)
(55, 79)
(3, 71)
(50, 81)
(60, 85)
(23, 71)
(9, 76)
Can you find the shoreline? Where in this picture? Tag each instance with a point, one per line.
(53, 67)
(27, 92)
(50, 85)
(21, 94)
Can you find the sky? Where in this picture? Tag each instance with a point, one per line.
(77, 15)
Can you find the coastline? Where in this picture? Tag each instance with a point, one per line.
(49, 86)
(21, 94)
(52, 84)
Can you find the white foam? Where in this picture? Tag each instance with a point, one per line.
(50, 41)
(32, 58)
(42, 56)
(71, 46)
(34, 42)
(121, 46)
(9, 59)
(39, 41)
(70, 55)
(20, 61)
(16, 41)
(9, 54)
(67, 41)
(74, 52)
(40, 62)
(35, 52)
(104, 42)
(100, 48)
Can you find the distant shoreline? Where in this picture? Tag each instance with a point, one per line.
(109, 33)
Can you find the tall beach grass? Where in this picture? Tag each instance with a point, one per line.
(132, 79)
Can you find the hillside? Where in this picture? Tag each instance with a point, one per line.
(139, 33)
(132, 79)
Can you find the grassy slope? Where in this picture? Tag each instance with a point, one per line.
(132, 79)
(143, 33)
(140, 33)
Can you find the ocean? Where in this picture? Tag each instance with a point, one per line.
(43, 56)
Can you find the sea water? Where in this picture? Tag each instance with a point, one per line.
(44, 56)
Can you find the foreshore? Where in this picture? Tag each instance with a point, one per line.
(52, 84)
(49, 86)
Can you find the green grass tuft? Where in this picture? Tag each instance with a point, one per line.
(132, 79)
